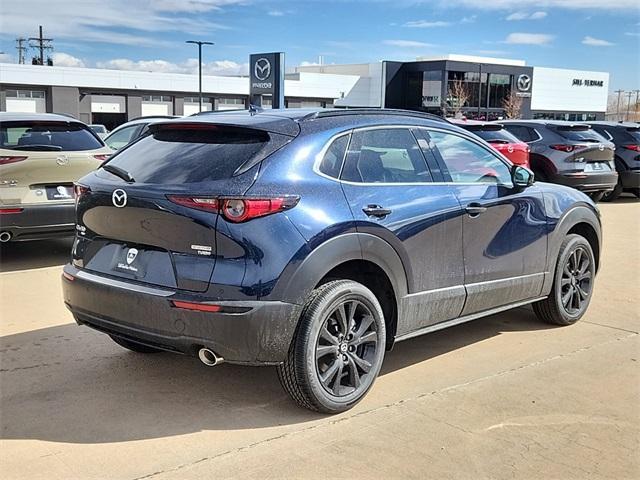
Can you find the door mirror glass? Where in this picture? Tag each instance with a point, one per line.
(522, 177)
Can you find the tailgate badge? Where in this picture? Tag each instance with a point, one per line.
(131, 255)
(119, 198)
(202, 249)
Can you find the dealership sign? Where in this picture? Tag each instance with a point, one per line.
(579, 82)
(266, 76)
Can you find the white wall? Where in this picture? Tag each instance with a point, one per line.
(553, 89)
(26, 105)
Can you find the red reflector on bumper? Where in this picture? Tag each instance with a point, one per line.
(9, 211)
(68, 276)
(202, 307)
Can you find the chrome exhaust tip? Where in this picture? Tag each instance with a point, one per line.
(209, 358)
(5, 237)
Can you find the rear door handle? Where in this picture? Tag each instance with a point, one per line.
(475, 209)
(376, 211)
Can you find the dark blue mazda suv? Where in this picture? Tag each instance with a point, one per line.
(316, 240)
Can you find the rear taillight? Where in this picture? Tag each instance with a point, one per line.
(567, 148)
(10, 211)
(102, 157)
(635, 148)
(79, 190)
(239, 209)
(5, 160)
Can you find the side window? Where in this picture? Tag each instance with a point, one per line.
(468, 162)
(121, 138)
(385, 155)
(605, 133)
(332, 161)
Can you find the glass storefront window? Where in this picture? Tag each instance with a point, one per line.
(499, 89)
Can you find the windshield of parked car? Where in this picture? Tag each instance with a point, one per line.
(580, 134)
(47, 135)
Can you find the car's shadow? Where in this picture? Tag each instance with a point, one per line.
(16, 256)
(70, 384)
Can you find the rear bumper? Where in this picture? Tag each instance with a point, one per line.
(630, 179)
(259, 336)
(587, 182)
(39, 221)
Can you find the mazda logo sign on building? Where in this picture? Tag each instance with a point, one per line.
(119, 198)
(524, 82)
(262, 69)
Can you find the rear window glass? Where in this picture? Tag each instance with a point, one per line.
(495, 136)
(525, 134)
(580, 134)
(58, 136)
(635, 133)
(171, 155)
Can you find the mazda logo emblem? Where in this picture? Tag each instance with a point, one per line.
(262, 69)
(601, 147)
(524, 82)
(119, 198)
(62, 160)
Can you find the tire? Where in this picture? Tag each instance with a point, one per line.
(572, 284)
(596, 196)
(613, 194)
(636, 192)
(539, 176)
(325, 370)
(134, 346)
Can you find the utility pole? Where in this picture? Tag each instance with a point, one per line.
(21, 49)
(200, 43)
(479, 88)
(618, 105)
(41, 44)
(628, 105)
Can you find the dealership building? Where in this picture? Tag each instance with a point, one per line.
(112, 97)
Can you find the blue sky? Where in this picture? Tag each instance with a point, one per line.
(149, 34)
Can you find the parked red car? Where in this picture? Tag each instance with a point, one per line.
(499, 138)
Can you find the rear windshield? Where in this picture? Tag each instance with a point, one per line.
(493, 135)
(580, 134)
(185, 155)
(45, 136)
(635, 133)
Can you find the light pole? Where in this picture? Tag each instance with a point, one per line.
(200, 43)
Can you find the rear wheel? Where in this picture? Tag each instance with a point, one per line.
(572, 284)
(338, 349)
(596, 196)
(636, 192)
(134, 346)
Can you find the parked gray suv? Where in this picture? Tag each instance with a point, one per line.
(626, 137)
(567, 153)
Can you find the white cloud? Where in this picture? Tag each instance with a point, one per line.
(407, 44)
(275, 13)
(218, 67)
(103, 21)
(492, 52)
(61, 59)
(426, 24)
(6, 58)
(525, 4)
(526, 16)
(633, 34)
(469, 19)
(520, 38)
(596, 42)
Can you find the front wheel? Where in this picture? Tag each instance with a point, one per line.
(572, 285)
(338, 349)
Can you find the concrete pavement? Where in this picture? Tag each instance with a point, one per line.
(502, 397)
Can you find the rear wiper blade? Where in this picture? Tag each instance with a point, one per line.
(118, 172)
(37, 148)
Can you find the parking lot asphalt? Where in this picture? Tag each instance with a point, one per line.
(501, 397)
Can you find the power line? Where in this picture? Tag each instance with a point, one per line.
(41, 44)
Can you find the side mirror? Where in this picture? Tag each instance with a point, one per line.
(522, 177)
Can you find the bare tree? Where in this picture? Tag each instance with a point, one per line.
(512, 105)
(458, 96)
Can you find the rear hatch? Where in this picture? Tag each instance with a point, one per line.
(40, 160)
(503, 141)
(150, 213)
(586, 147)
